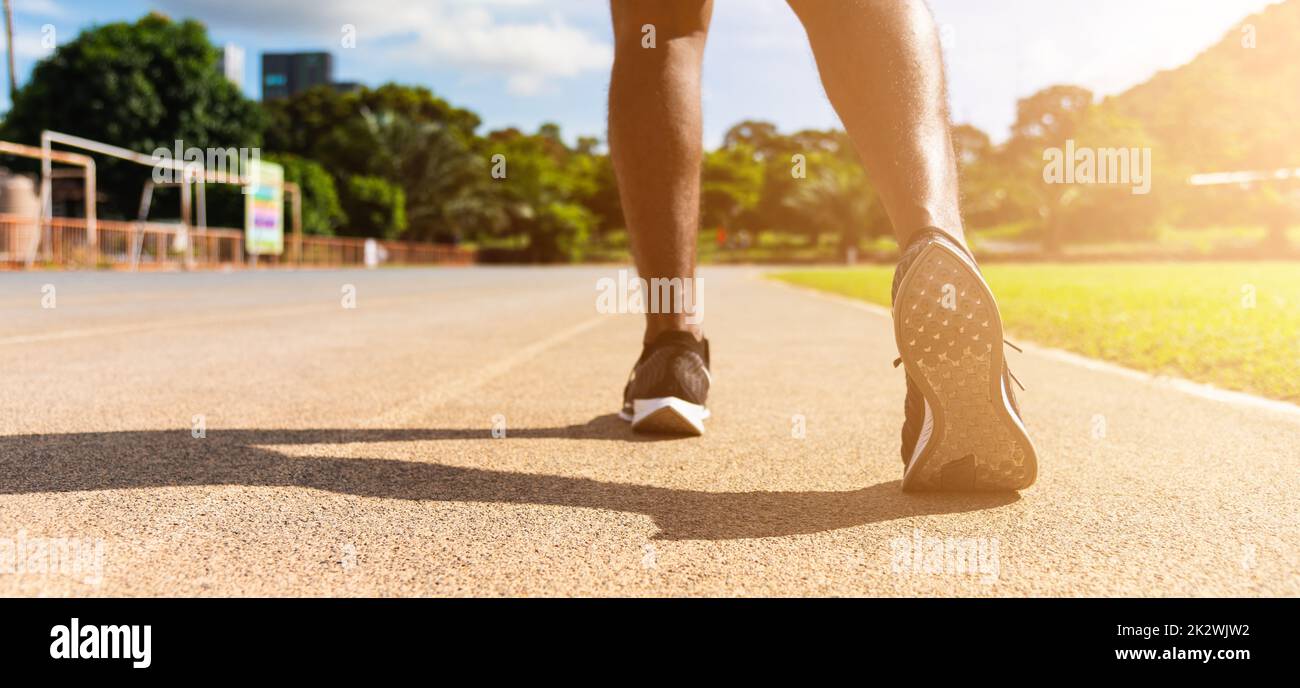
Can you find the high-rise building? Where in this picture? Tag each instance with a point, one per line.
(232, 64)
(286, 74)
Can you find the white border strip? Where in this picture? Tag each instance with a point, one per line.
(1196, 389)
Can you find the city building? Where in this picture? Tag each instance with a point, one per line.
(232, 64)
(286, 74)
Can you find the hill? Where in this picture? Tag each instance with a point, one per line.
(1236, 105)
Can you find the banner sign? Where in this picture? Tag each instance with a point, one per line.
(264, 209)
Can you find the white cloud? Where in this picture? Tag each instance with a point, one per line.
(27, 45)
(500, 38)
(528, 54)
(38, 8)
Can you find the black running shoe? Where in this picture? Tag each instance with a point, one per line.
(668, 386)
(962, 429)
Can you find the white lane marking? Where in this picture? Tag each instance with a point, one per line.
(1196, 389)
(419, 406)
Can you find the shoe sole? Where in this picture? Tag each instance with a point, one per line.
(667, 416)
(950, 336)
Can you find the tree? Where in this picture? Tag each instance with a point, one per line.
(1049, 125)
(542, 191)
(1050, 116)
(375, 207)
(837, 197)
(762, 137)
(731, 184)
(440, 173)
(603, 202)
(970, 144)
(317, 123)
(1044, 120)
(321, 212)
(1113, 210)
(812, 184)
(140, 86)
(404, 135)
(983, 192)
(1232, 108)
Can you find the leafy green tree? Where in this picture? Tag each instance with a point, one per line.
(983, 192)
(1046, 119)
(731, 184)
(401, 134)
(375, 207)
(812, 184)
(782, 159)
(140, 86)
(1112, 210)
(1232, 108)
(440, 173)
(321, 212)
(542, 191)
(1046, 124)
(762, 137)
(836, 197)
(318, 123)
(603, 200)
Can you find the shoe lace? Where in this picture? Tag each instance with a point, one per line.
(899, 361)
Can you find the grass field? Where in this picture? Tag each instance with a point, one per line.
(1233, 325)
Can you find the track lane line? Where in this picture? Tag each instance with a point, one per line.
(1199, 390)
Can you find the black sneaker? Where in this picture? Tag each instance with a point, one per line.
(668, 386)
(962, 429)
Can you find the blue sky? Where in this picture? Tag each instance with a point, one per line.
(524, 62)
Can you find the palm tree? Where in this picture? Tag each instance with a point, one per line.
(9, 48)
(441, 176)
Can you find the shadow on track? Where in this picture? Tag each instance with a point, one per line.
(76, 462)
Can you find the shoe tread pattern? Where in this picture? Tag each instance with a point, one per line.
(955, 355)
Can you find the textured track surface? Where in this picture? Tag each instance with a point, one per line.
(950, 338)
(352, 451)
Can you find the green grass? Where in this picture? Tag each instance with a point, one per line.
(1191, 320)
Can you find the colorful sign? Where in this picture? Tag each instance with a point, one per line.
(264, 209)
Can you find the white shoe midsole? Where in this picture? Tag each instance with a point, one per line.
(643, 408)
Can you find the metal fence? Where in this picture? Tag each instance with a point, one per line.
(64, 242)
